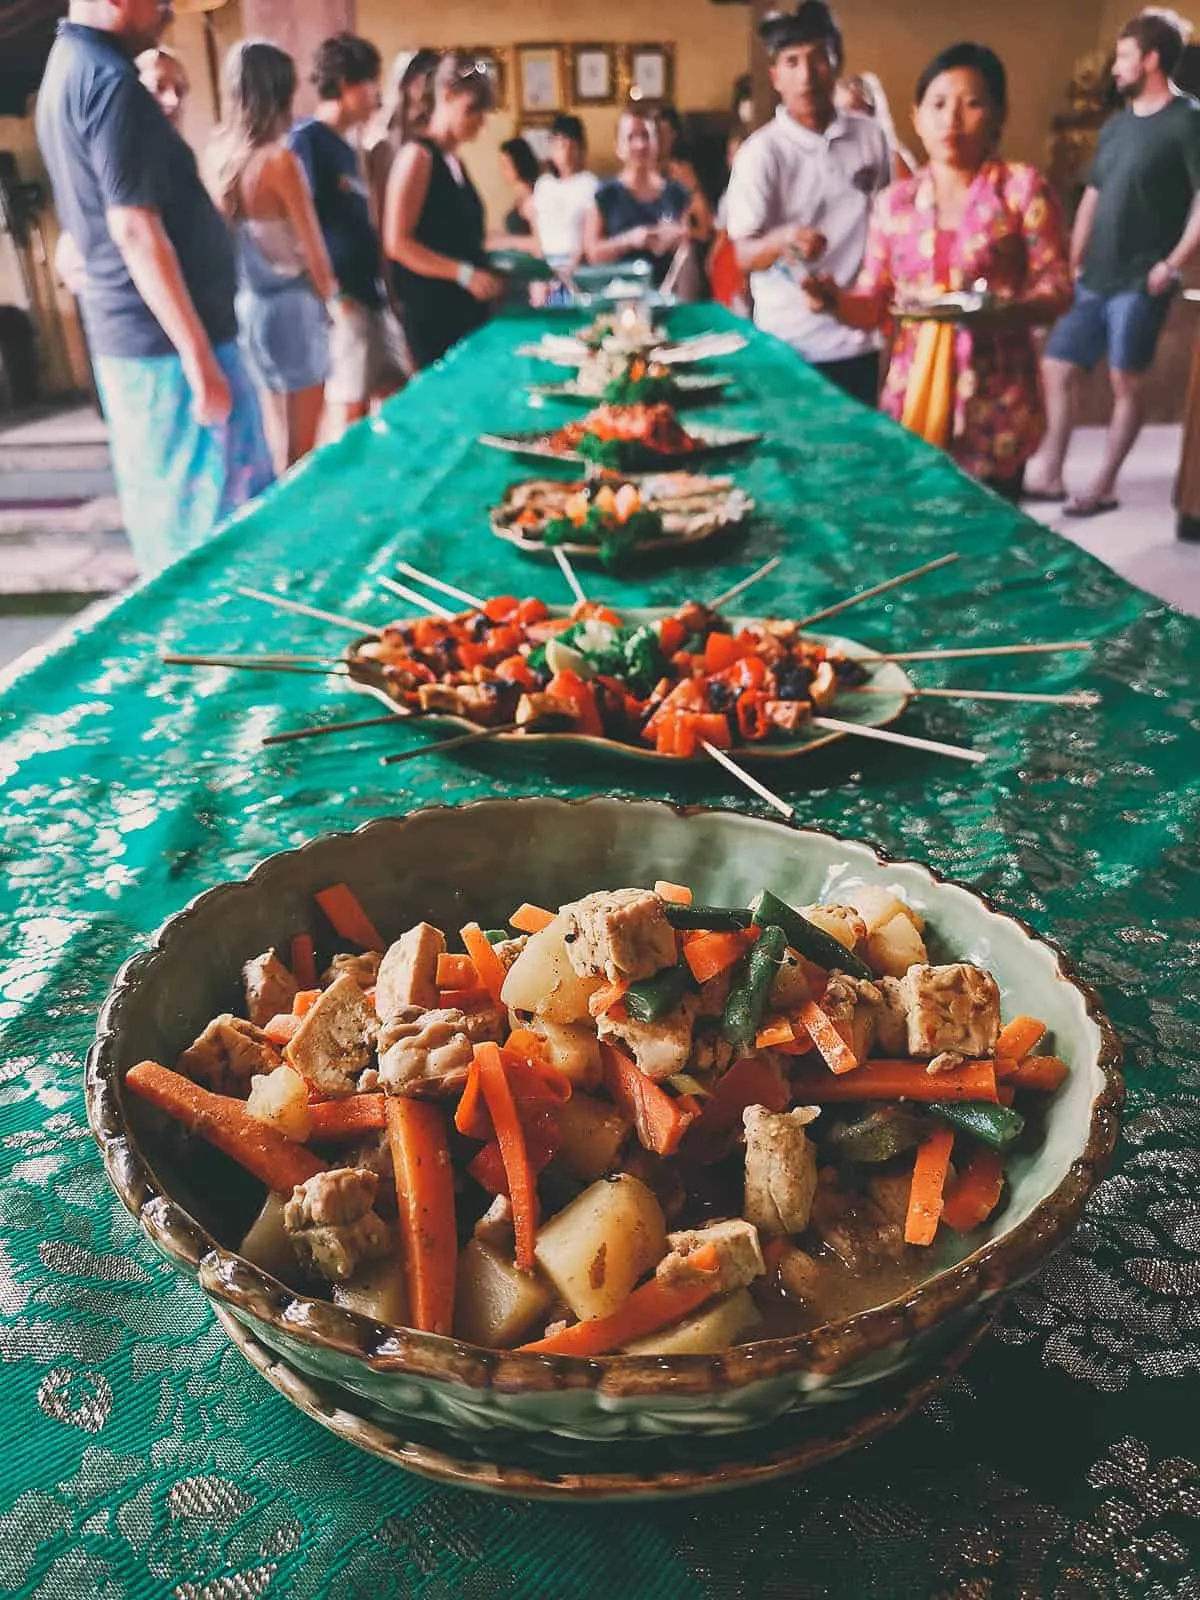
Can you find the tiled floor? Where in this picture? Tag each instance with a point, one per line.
(57, 558)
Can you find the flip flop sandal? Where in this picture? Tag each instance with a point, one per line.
(1044, 497)
(1084, 507)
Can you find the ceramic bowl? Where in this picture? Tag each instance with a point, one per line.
(452, 864)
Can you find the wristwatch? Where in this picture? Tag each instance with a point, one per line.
(464, 274)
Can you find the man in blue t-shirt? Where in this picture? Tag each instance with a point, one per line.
(157, 286)
(1137, 228)
(364, 359)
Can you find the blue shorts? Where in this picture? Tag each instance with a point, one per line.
(1124, 326)
(284, 336)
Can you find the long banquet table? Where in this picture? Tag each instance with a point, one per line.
(142, 1456)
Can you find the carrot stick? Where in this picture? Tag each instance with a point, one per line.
(677, 894)
(659, 1120)
(655, 1305)
(465, 1000)
(281, 1028)
(837, 1053)
(340, 904)
(896, 1080)
(456, 972)
(522, 1186)
(1019, 1037)
(531, 919)
(342, 1119)
(711, 953)
(928, 1181)
(304, 961)
(471, 1115)
(607, 996)
(974, 1193)
(425, 1195)
(1035, 1072)
(529, 1046)
(1005, 1094)
(303, 1001)
(487, 963)
(278, 1162)
(778, 1031)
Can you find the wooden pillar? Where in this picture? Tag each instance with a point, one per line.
(760, 78)
(1187, 485)
(298, 28)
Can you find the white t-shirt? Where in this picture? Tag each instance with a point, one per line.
(784, 174)
(560, 206)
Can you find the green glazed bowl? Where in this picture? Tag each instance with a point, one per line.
(475, 862)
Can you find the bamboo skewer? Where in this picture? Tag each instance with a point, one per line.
(254, 658)
(292, 734)
(448, 744)
(301, 610)
(415, 598)
(877, 588)
(255, 666)
(568, 572)
(409, 571)
(740, 588)
(1078, 697)
(740, 773)
(979, 650)
(885, 736)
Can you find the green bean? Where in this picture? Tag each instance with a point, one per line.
(652, 998)
(878, 1136)
(497, 935)
(716, 919)
(805, 937)
(748, 995)
(998, 1126)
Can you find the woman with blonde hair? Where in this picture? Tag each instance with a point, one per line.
(284, 274)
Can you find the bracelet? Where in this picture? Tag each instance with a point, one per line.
(464, 274)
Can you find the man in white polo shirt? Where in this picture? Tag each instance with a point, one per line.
(800, 196)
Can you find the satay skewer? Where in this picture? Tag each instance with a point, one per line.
(877, 588)
(886, 736)
(292, 734)
(409, 571)
(740, 588)
(230, 664)
(1077, 697)
(957, 653)
(743, 777)
(568, 572)
(441, 745)
(415, 598)
(356, 625)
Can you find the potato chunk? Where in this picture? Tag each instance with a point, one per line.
(494, 1304)
(714, 1327)
(375, 1290)
(590, 1136)
(543, 981)
(597, 1248)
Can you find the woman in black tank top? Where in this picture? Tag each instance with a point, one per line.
(433, 220)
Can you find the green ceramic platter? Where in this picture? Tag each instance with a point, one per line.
(533, 444)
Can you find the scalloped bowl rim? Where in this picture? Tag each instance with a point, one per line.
(989, 1269)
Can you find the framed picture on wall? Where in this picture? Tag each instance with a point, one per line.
(540, 78)
(593, 74)
(492, 61)
(650, 72)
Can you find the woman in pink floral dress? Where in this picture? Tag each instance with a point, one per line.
(966, 216)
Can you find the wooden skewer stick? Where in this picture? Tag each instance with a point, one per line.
(1078, 697)
(449, 744)
(336, 727)
(740, 773)
(878, 588)
(254, 666)
(421, 601)
(568, 572)
(740, 588)
(885, 736)
(409, 571)
(258, 658)
(280, 604)
(980, 650)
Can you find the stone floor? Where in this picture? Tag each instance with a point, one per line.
(62, 547)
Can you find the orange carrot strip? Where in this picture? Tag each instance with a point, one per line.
(304, 1000)
(340, 904)
(928, 1181)
(425, 1196)
(659, 1120)
(304, 961)
(1035, 1072)
(471, 1114)
(278, 1162)
(895, 1080)
(522, 1186)
(531, 919)
(465, 999)
(529, 1046)
(1019, 1037)
(838, 1055)
(534, 1081)
(711, 953)
(778, 1031)
(974, 1193)
(1005, 1094)
(676, 894)
(607, 996)
(487, 963)
(341, 1119)
(281, 1028)
(456, 972)
(655, 1305)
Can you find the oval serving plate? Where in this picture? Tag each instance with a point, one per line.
(870, 711)
(534, 445)
(563, 350)
(694, 389)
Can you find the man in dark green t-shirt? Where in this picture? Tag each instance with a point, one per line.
(1137, 227)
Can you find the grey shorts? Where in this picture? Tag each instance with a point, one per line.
(368, 353)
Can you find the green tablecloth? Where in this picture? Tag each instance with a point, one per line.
(142, 1457)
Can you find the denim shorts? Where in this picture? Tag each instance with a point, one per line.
(1124, 326)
